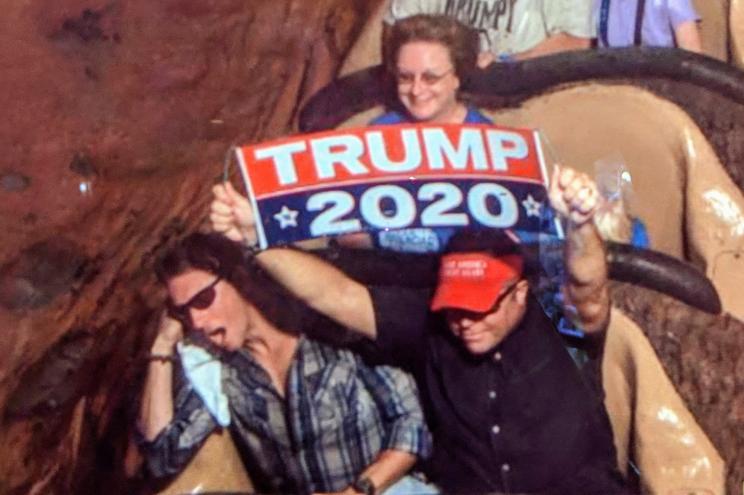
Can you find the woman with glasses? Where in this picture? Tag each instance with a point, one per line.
(429, 57)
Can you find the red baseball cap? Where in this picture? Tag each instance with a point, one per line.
(474, 281)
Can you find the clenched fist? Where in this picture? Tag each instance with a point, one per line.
(574, 195)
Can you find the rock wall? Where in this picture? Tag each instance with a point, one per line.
(116, 117)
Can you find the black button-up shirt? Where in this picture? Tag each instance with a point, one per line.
(520, 418)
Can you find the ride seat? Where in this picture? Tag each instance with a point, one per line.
(650, 420)
(216, 467)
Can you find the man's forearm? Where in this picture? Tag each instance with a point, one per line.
(560, 42)
(156, 410)
(586, 267)
(321, 286)
(687, 36)
(388, 467)
(316, 283)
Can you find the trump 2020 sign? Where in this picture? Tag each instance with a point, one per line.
(395, 177)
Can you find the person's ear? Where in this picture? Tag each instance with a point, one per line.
(520, 293)
(455, 74)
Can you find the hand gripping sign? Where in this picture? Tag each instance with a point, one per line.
(396, 177)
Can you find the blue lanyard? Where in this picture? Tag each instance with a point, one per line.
(604, 18)
(604, 21)
(640, 10)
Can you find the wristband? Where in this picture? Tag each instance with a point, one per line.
(364, 486)
(506, 57)
(162, 358)
(250, 250)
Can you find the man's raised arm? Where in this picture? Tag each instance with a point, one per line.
(574, 195)
(156, 407)
(318, 284)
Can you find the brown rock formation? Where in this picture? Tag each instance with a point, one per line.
(116, 118)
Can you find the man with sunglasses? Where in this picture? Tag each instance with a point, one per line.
(306, 416)
(509, 410)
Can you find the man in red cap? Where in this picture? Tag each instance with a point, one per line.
(509, 410)
(473, 283)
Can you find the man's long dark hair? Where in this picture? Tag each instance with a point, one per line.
(217, 254)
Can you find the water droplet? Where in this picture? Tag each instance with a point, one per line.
(86, 188)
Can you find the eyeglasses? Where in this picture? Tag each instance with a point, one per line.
(457, 313)
(201, 300)
(427, 78)
(502, 297)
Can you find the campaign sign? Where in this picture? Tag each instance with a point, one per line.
(395, 177)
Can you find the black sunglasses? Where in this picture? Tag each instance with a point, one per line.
(459, 313)
(201, 300)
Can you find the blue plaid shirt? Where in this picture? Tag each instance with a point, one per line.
(337, 415)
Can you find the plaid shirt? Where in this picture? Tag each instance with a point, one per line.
(337, 415)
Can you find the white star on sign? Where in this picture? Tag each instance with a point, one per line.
(531, 207)
(286, 217)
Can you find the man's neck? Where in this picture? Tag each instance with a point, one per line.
(274, 351)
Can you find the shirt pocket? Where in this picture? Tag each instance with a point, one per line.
(333, 396)
(342, 407)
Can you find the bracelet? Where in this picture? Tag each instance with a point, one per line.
(506, 57)
(162, 358)
(251, 249)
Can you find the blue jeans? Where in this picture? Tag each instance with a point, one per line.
(410, 485)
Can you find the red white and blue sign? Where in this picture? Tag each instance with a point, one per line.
(396, 177)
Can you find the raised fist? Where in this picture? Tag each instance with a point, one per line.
(574, 195)
(231, 214)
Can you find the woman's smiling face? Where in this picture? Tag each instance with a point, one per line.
(427, 82)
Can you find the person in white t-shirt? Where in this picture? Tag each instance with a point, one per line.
(511, 29)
